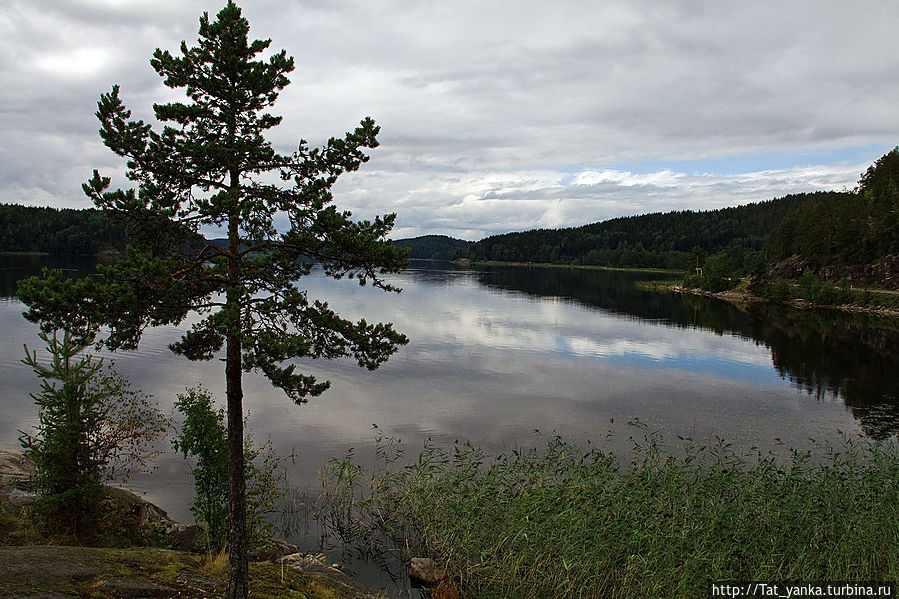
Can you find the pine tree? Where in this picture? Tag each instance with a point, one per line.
(91, 427)
(210, 166)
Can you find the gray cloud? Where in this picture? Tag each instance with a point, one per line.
(490, 110)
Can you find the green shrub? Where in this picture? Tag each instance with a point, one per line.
(692, 281)
(776, 290)
(780, 291)
(203, 437)
(822, 292)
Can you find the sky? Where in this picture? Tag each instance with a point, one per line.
(495, 115)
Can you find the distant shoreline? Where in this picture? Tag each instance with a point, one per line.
(577, 266)
(744, 297)
(19, 253)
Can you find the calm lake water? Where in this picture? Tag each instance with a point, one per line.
(499, 352)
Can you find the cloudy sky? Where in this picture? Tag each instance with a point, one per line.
(496, 115)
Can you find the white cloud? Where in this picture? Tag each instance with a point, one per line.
(497, 116)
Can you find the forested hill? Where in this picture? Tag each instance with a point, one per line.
(659, 240)
(434, 247)
(843, 237)
(57, 231)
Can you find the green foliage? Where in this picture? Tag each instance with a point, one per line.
(717, 274)
(203, 438)
(203, 170)
(91, 427)
(848, 229)
(775, 290)
(672, 240)
(692, 281)
(821, 292)
(58, 231)
(434, 247)
(572, 521)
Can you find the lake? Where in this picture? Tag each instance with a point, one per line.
(497, 353)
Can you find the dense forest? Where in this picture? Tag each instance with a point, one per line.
(853, 236)
(58, 231)
(434, 247)
(669, 240)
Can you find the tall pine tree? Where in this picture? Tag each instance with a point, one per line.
(210, 166)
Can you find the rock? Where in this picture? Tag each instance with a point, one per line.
(60, 572)
(191, 538)
(143, 522)
(445, 590)
(16, 469)
(141, 512)
(317, 565)
(50, 565)
(426, 571)
(20, 497)
(196, 580)
(300, 561)
(135, 588)
(273, 551)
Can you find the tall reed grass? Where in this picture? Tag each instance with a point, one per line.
(568, 520)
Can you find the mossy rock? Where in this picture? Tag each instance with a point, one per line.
(51, 572)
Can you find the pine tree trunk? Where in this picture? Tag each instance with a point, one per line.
(237, 507)
(237, 502)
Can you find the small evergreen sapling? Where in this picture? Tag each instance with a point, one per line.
(91, 427)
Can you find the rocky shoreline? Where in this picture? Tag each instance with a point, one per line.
(743, 297)
(52, 571)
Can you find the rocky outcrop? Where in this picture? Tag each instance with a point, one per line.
(272, 551)
(138, 520)
(882, 274)
(317, 565)
(424, 571)
(15, 468)
(59, 572)
(52, 572)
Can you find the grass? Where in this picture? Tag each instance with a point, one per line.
(875, 298)
(215, 563)
(657, 285)
(572, 521)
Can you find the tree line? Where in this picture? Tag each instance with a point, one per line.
(58, 230)
(658, 240)
(833, 236)
(434, 247)
(841, 231)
